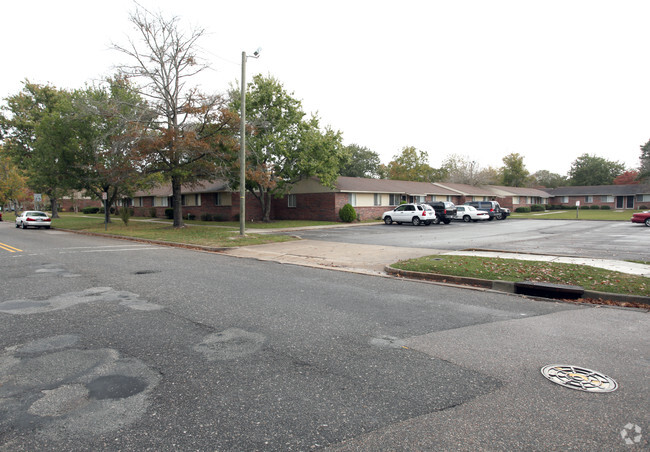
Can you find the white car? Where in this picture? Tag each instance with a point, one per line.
(33, 218)
(470, 213)
(410, 213)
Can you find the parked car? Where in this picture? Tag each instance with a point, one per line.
(410, 213)
(470, 213)
(0, 215)
(493, 209)
(641, 217)
(445, 211)
(33, 218)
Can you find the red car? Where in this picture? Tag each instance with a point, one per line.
(641, 217)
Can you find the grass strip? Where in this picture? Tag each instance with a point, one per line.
(590, 278)
(163, 231)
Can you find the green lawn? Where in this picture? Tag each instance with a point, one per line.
(591, 278)
(582, 214)
(225, 235)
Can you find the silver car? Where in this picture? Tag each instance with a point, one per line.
(33, 218)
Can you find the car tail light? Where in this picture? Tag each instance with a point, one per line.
(424, 213)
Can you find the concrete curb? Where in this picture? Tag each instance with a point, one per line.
(508, 286)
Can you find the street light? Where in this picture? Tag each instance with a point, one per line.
(242, 147)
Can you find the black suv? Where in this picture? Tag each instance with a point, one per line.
(493, 209)
(445, 211)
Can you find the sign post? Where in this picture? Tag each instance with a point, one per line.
(105, 197)
(577, 208)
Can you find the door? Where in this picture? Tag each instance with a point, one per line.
(630, 202)
(619, 202)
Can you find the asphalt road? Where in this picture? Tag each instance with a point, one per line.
(597, 239)
(113, 345)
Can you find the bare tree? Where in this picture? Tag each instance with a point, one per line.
(182, 144)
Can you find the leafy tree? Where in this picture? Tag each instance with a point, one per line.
(283, 147)
(39, 142)
(627, 178)
(592, 170)
(514, 172)
(644, 168)
(13, 185)
(545, 178)
(461, 170)
(192, 129)
(360, 162)
(413, 165)
(109, 121)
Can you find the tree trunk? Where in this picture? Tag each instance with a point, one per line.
(266, 208)
(176, 202)
(55, 208)
(107, 211)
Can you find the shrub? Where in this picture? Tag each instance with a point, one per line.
(152, 212)
(206, 217)
(125, 214)
(217, 217)
(605, 207)
(537, 208)
(594, 207)
(522, 209)
(169, 213)
(190, 216)
(643, 207)
(89, 210)
(347, 213)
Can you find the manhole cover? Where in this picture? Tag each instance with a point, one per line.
(575, 377)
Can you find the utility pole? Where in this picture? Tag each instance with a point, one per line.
(242, 146)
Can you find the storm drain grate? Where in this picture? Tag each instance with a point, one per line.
(579, 378)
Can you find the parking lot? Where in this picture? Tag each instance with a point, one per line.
(596, 239)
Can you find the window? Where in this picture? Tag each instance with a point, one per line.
(353, 199)
(191, 200)
(643, 198)
(606, 199)
(377, 199)
(419, 199)
(291, 201)
(217, 199)
(589, 199)
(137, 202)
(394, 199)
(161, 201)
(564, 199)
(515, 199)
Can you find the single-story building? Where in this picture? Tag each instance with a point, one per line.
(310, 200)
(634, 196)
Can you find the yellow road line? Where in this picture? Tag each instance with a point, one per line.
(9, 248)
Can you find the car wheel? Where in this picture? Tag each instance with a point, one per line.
(398, 222)
(427, 223)
(491, 218)
(47, 227)
(436, 221)
(388, 220)
(467, 219)
(17, 225)
(647, 222)
(447, 221)
(416, 221)
(23, 225)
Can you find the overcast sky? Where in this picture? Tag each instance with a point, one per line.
(550, 80)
